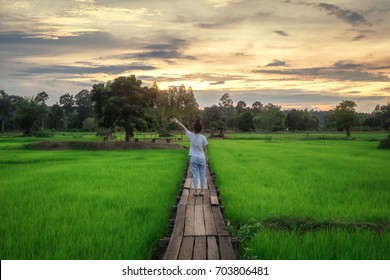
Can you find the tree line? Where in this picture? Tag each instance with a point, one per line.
(127, 105)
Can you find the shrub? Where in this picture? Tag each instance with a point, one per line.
(43, 133)
(385, 143)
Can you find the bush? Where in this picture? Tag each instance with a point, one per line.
(385, 143)
(43, 133)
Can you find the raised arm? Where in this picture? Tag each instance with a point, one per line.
(174, 120)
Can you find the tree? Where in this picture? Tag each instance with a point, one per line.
(212, 117)
(245, 122)
(256, 107)
(383, 114)
(56, 115)
(271, 118)
(226, 101)
(41, 98)
(228, 111)
(122, 102)
(5, 108)
(28, 113)
(301, 120)
(89, 124)
(67, 102)
(83, 107)
(345, 116)
(240, 107)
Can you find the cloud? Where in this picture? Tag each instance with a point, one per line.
(228, 21)
(75, 70)
(340, 71)
(359, 37)
(277, 62)
(217, 83)
(281, 33)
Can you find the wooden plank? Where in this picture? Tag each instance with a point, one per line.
(198, 200)
(200, 248)
(210, 228)
(186, 248)
(199, 220)
(214, 200)
(212, 248)
(184, 196)
(178, 228)
(187, 183)
(219, 222)
(189, 229)
(226, 248)
(172, 251)
(206, 197)
(191, 198)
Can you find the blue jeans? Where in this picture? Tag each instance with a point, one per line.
(198, 166)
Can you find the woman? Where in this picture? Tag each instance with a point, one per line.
(198, 154)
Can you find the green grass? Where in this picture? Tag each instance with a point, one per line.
(336, 244)
(327, 180)
(85, 204)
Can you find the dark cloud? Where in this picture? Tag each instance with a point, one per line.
(217, 83)
(226, 21)
(281, 33)
(349, 16)
(277, 62)
(112, 69)
(340, 71)
(359, 37)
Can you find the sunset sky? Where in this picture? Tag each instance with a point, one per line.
(297, 54)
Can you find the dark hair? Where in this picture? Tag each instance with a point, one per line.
(197, 126)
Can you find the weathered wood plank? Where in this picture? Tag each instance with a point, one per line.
(187, 183)
(199, 220)
(191, 198)
(198, 200)
(184, 196)
(186, 248)
(219, 222)
(210, 228)
(173, 248)
(178, 228)
(212, 248)
(214, 200)
(189, 228)
(226, 248)
(200, 248)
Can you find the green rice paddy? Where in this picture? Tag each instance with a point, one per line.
(311, 191)
(85, 204)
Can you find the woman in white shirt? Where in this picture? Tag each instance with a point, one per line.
(198, 154)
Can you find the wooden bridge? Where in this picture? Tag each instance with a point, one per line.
(199, 231)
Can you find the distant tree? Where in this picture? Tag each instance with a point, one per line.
(345, 116)
(226, 101)
(83, 107)
(383, 114)
(228, 111)
(56, 115)
(42, 97)
(301, 120)
(29, 112)
(67, 101)
(89, 124)
(256, 107)
(271, 118)
(245, 122)
(240, 107)
(5, 108)
(123, 103)
(212, 117)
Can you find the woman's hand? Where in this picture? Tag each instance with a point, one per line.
(173, 120)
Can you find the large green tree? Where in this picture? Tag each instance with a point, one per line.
(67, 101)
(83, 107)
(344, 115)
(301, 120)
(29, 112)
(271, 118)
(123, 102)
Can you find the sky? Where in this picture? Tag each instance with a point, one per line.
(296, 54)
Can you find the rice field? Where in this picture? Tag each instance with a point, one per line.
(293, 183)
(85, 204)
